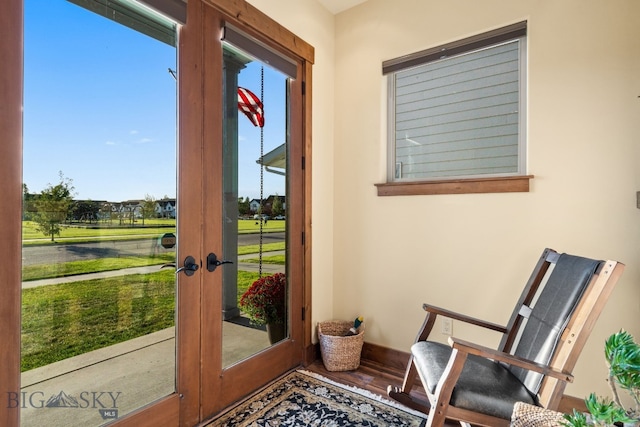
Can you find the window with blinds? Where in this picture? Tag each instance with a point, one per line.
(457, 111)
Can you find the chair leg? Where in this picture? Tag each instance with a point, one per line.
(409, 376)
(405, 399)
(402, 394)
(436, 419)
(449, 378)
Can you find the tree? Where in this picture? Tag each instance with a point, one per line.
(243, 206)
(85, 211)
(276, 206)
(53, 206)
(148, 207)
(27, 203)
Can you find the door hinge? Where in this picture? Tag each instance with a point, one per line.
(304, 88)
(303, 163)
(302, 238)
(303, 311)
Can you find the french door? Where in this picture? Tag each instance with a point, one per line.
(240, 212)
(251, 121)
(269, 138)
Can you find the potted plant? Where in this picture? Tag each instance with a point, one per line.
(602, 413)
(622, 355)
(264, 303)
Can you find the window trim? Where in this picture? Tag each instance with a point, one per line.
(489, 184)
(501, 184)
(455, 48)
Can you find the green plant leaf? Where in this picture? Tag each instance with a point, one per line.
(576, 419)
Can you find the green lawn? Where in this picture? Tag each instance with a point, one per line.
(273, 259)
(69, 319)
(153, 229)
(66, 320)
(48, 271)
(254, 249)
(80, 233)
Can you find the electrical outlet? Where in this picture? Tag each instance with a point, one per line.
(447, 326)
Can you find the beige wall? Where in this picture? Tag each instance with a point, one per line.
(315, 25)
(381, 257)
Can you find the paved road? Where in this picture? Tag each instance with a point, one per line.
(33, 255)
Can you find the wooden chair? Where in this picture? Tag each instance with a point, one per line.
(539, 348)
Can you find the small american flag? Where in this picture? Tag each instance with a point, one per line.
(251, 106)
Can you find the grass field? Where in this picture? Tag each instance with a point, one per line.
(272, 259)
(49, 271)
(66, 320)
(77, 233)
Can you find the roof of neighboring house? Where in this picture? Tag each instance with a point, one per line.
(276, 158)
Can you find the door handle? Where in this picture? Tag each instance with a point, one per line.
(189, 267)
(213, 262)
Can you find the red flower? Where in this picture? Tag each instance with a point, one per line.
(264, 301)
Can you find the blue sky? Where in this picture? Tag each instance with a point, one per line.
(100, 106)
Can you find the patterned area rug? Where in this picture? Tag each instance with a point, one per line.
(303, 398)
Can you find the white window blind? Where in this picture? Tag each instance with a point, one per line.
(459, 116)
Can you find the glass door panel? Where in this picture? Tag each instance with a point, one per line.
(99, 217)
(255, 141)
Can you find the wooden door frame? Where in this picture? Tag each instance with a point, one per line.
(11, 78)
(190, 168)
(235, 381)
(191, 100)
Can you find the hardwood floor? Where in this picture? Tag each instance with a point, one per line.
(371, 377)
(375, 378)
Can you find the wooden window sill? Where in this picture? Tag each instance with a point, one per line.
(511, 184)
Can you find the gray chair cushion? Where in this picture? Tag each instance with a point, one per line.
(549, 316)
(484, 386)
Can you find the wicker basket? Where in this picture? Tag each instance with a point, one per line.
(525, 415)
(340, 352)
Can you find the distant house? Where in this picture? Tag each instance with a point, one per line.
(165, 208)
(267, 204)
(107, 210)
(131, 209)
(254, 205)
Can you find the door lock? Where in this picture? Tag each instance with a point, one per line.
(189, 267)
(213, 262)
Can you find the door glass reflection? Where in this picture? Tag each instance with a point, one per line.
(98, 311)
(255, 138)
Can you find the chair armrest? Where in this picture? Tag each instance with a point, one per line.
(464, 318)
(489, 353)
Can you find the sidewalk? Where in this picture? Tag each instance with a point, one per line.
(99, 386)
(116, 380)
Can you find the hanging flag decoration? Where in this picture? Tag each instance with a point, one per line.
(251, 106)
